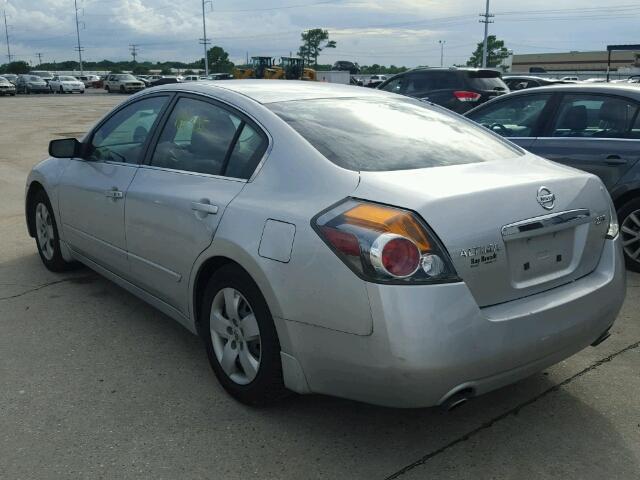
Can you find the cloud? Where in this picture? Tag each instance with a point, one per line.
(403, 32)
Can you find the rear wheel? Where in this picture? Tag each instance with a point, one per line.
(61, 89)
(629, 218)
(107, 89)
(122, 89)
(47, 239)
(241, 339)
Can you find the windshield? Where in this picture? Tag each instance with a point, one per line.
(68, 79)
(381, 134)
(35, 79)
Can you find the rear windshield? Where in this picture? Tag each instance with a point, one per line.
(488, 81)
(383, 134)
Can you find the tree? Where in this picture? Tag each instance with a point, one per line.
(496, 52)
(313, 42)
(18, 67)
(219, 60)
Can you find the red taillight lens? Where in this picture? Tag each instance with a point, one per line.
(384, 244)
(395, 255)
(465, 96)
(344, 242)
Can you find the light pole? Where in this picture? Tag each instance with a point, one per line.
(486, 22)
(442, 42)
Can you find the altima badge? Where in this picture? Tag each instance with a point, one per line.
(546, 199)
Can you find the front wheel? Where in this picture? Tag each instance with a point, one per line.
(47, 238)
(629, 218)
(241, 339)
(107, 89)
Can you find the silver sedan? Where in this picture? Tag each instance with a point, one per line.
(333, 239)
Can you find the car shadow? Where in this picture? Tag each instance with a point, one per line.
(117, 383)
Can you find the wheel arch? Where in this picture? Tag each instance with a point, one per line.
(627, 196)
(211, 261)
(34, 188)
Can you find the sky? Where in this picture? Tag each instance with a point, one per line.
(399, 32)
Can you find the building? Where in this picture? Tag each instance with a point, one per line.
(582, 64)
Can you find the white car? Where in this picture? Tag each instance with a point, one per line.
(192, 78)
(123, 83)
(63, 84)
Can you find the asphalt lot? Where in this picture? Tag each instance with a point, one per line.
(96, 384)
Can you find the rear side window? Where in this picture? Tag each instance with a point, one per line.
(512, 117)
(383, 134)
(595, 116)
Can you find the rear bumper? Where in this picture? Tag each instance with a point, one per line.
(429, 342)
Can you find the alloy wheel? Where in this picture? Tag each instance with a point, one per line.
(44, 230)
(235, 336)
(630, 231)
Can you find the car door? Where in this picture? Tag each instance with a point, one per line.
(202, 158)
(592, 132)
(93, 189)
(516, 117)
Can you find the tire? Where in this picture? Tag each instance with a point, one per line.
(27, 91)
(237, 346)
(47, 240)
(122, 89)
(61, 90)
(629, 220)
(107, 89)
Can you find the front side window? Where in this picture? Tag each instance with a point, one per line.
(513, 117)
(595, 116)
(196, 138)
(383, 134)
(122, 137)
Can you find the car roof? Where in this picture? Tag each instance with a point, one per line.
(614, 89)
(271, 91)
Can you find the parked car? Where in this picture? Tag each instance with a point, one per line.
(66, 84)
(192, 78)
(571, 79)
(13, 78)
(31, 84)
(376, 80)
(88, 80)
(122, 83)
(153, 78)
(458, 89)
(6, 87)
(591, 127)
(352, 67)
(166, 80)
(99, 82)
(144, 79)
(423, 263)
(522, 82)
(45, 75)
(220, 76)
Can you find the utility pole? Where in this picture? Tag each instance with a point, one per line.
(6, 33)
(79, 47)
(39, 55)
(134, 51)
(442, 42)
(205, 41)
(487, 16)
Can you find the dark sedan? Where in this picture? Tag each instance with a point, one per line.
(521, 82)
(591, 127)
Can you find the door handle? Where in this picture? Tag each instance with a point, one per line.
(615, 160)
(204, 207)
(115, 194)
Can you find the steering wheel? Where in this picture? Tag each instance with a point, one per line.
(500, 129)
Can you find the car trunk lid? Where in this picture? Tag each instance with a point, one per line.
(492, 219)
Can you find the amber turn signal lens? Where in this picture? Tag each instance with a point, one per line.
(388, 220)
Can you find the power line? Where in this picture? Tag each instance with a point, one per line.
(134, 50)
(79, 47)
(487, 20)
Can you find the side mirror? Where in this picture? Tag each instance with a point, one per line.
(64, 148)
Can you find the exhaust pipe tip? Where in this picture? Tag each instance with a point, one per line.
(457, 399)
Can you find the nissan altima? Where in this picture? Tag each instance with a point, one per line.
(330, 239)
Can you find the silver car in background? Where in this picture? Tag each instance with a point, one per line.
(331, 239)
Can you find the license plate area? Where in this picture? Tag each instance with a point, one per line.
(541, 258)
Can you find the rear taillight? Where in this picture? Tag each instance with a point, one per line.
(465, 96)
(384, 244)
